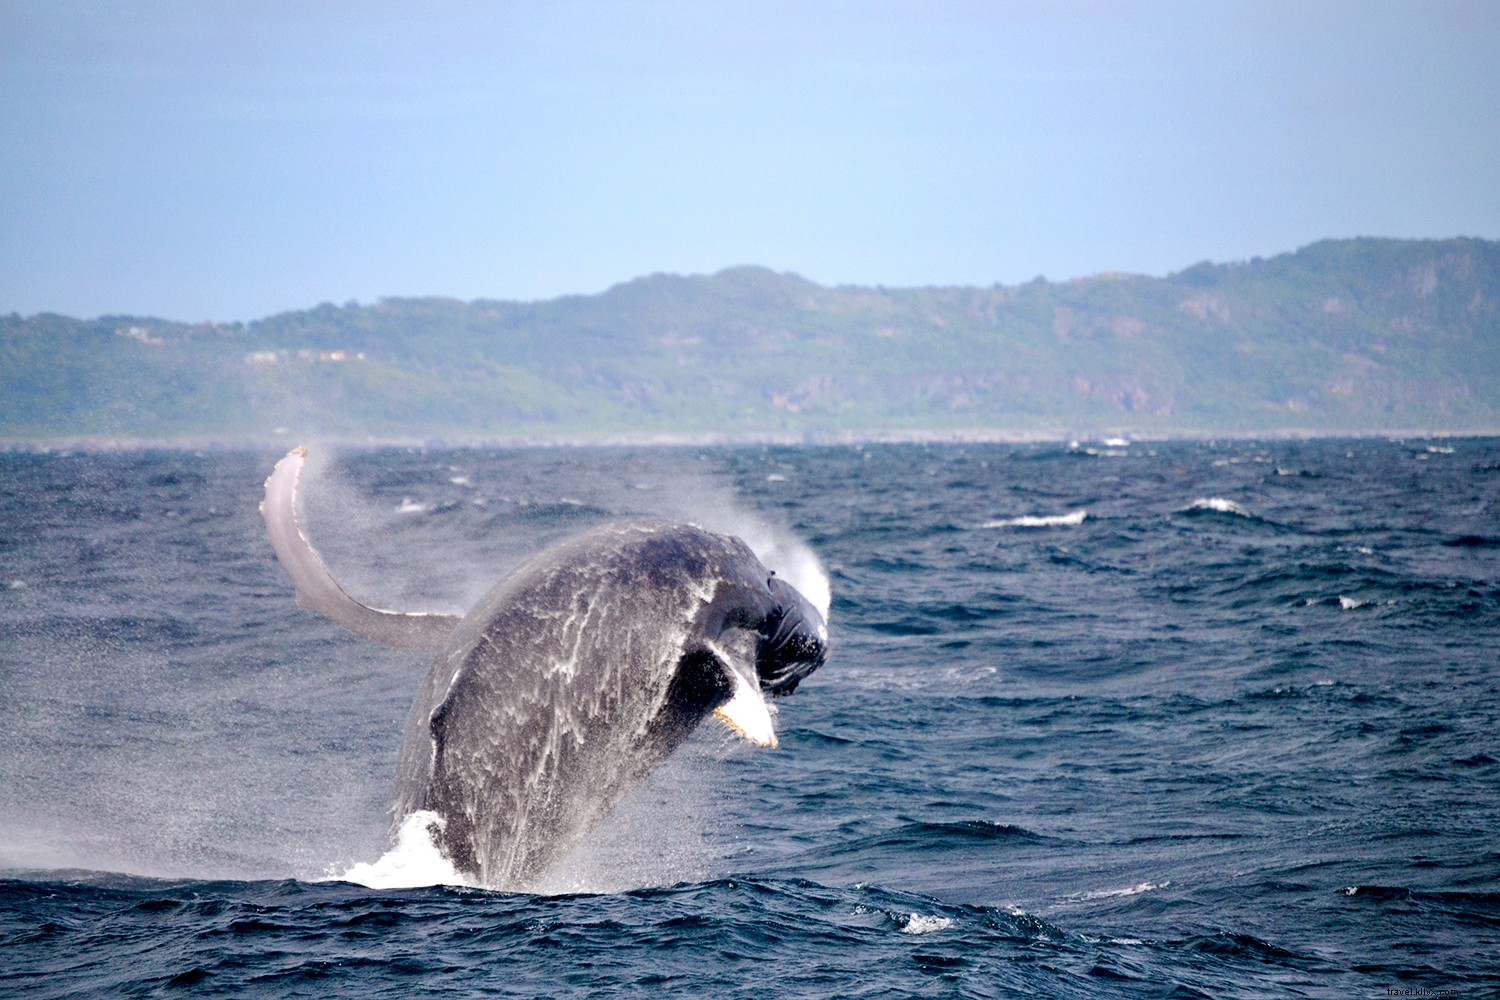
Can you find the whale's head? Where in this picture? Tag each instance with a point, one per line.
(760, 636)
(793, 640)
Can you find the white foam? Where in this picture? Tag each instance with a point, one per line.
(414, 861)
(1134, 890)
(1130, 891)
(919, 924)
(1071, 520)
(1218, 504)
(1350, 603)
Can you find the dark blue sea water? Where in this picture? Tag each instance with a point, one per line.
(1232, 731)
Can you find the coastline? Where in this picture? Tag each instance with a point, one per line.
(971, 436)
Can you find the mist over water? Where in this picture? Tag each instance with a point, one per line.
(1231, 732)
(667, 831)
(518, 510)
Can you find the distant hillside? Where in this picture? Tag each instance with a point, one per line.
(1343, 336)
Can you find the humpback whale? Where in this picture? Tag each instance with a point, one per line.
(572, 679)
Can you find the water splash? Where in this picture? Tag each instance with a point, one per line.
(414, 861)
(789, 557)
(710, 506)
(920, 924)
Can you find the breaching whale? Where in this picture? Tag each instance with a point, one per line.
(572, 679)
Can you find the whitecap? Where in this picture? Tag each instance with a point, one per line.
(919, 924)
(414, 861)
(1106, 939)
(1218, 504)
(1350, 603)
(1040, 521)
(410, 506)
(1134, 890)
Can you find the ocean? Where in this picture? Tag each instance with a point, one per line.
(1186, 719)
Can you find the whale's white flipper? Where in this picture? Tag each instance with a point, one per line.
(747, 713)
(317, 590)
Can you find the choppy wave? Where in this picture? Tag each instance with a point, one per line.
(1173, 750)
(1131, 890)
(1215, 505)
(1473, 542)
(918, 923)
(299, 939)
(1069, 520)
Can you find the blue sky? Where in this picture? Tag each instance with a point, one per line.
(221, 160)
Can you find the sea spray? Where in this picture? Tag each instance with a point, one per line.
(710, 505)
(1155, 706)
(1070, 520)
(1217, 505)
(413, 861)
(789, 557)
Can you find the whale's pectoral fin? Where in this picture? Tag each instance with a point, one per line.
(747, 713)
(316, 588)
(745, 710)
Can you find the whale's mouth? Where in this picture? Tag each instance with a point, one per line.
(794, 641)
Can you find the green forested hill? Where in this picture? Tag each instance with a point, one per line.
(1344, 336)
